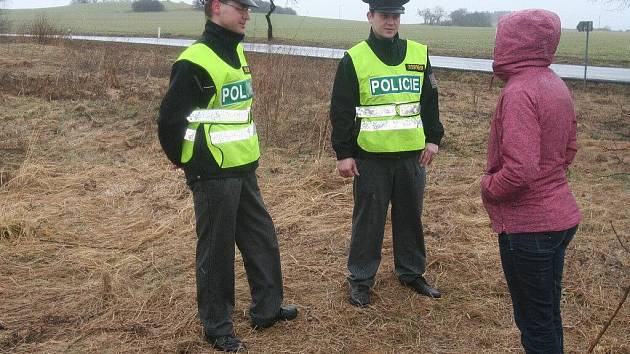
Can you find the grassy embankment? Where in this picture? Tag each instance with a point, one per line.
(97, 232)
(606, 48)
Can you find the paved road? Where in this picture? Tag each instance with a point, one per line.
(594, 73)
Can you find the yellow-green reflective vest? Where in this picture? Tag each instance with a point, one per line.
(389, 111)
(227, 122)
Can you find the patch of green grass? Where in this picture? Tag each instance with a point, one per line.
(180, 20)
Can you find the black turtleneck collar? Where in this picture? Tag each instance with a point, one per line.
(390, 51)
(221, 36)
(223, 42)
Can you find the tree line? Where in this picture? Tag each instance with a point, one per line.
(136, 5)
(460, 17)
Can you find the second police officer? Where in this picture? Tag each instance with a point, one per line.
(385, 131)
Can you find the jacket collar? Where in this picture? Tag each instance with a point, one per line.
(221, 36)
(383, 45)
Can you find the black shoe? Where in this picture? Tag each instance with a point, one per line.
(226, 343)
(286, 313)
(421, 286)
(359, 296)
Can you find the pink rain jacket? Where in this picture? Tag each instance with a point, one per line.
(533, 133)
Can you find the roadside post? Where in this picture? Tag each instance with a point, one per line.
(585, 26)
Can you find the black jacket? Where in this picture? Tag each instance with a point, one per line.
(345, 98)
(191, 87)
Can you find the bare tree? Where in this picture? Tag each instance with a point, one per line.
(438, 14)
(272, 8)
(433, 16)
(426, 14)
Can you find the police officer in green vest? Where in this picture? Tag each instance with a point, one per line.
(206, 128)
(386, 130)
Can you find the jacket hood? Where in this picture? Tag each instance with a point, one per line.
(527, 38)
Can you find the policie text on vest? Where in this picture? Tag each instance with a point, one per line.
(236, 92)
(394, 84)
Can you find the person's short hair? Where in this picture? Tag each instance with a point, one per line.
(207, 8)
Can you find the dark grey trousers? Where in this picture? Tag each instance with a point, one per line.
(400, 181)
(230, 210)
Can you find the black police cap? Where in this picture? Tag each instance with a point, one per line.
(389, 6)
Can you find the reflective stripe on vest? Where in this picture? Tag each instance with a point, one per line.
(233, 135)
(227, 122)
(391, 124)
(219, 116)
(403, 110)
(389, 110)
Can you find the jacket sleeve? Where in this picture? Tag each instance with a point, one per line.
(572, 146)
(190, 88)
(519, 149)
(429, 108)
(344, 100)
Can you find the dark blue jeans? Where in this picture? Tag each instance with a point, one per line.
(533, 264)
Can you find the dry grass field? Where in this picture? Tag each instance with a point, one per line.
(97, 232)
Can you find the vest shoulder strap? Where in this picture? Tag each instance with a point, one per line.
(358, 48)
(201, 55)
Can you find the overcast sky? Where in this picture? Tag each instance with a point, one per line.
(570, 11)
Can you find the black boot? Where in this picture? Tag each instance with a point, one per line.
(287, 313)
(421, 286)
(359, 296)
(226, 343)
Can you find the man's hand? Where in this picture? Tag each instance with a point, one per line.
(429, 152)
(347, 167)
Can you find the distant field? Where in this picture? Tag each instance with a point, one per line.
(606, 48)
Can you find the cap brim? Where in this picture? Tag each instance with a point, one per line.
(390, 10)
(249, 3)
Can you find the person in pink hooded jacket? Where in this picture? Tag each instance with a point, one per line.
(525, 189)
